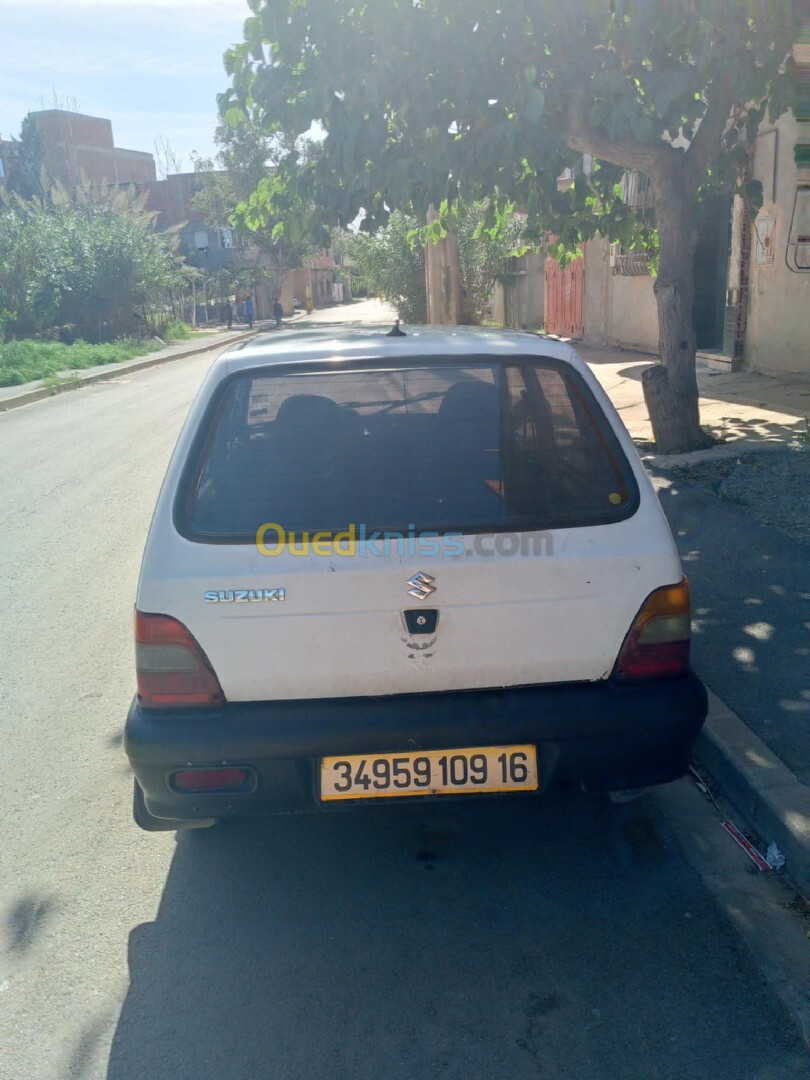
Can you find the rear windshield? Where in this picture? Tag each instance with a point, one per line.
(475, 448)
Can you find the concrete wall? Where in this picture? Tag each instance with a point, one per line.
(778, 332)
(634, 315)
(497, 303)
(75, 145)
(311, 282)
(521, 302)
(596, 304)
(617, 310)
(525, 296)
(134, 166)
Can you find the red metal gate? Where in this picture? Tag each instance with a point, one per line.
(565, 291)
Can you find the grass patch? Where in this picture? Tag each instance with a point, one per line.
(25, 361)
(177, 331)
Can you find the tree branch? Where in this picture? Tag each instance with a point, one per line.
(719, 100)
(578, 133)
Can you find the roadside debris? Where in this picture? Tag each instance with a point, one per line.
(774, 857)
(773, 860)
(746, 845)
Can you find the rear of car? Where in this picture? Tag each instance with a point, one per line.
(386, 567)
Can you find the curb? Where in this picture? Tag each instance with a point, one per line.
(137, 364)
(770, 798)
(728, 451)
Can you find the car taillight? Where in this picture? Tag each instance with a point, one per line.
(172, 668)
(658, 641)
(199, 780)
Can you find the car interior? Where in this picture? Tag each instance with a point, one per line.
(436, 449)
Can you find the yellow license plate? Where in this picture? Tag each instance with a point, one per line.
(429, 772)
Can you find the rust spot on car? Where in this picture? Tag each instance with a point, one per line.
(421, 647)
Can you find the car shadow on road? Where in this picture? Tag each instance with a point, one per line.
(495, 938)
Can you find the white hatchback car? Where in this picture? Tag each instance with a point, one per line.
(389, 565)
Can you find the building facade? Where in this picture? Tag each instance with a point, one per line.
(76, 147)
(752, 277)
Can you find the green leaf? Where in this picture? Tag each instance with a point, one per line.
(535, 104)
(234, 116)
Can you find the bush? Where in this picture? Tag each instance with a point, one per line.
(89, 257)
(391, 262)
(389, 266)
(176, 331)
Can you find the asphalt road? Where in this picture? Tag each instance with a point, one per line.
(751, 584)
(561, 937)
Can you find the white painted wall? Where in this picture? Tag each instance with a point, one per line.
(778, 332)
(618, 310)
(634, 314)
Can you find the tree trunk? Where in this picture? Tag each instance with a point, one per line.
(670, 388)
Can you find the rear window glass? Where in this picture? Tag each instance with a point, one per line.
(473, 448)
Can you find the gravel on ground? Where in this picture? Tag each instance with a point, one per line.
(773, 485)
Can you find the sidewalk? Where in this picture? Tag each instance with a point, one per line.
(751, 595)
(746, 409)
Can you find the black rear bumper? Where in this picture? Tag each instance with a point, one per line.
(604, 736)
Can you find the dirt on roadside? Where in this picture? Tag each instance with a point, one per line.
(773, 485)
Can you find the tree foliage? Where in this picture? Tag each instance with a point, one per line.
(431, 101)
(484, 255)
(244, 164)
(424, 101)
(24, 162)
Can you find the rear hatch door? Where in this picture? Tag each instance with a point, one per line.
(438, 524)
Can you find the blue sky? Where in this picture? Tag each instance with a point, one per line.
(153, 67)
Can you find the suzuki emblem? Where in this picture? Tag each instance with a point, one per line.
(421, 586)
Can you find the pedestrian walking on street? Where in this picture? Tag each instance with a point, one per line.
(249, 311)
(278, 312)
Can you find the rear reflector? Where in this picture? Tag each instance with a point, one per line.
(657, 644)
(211, 779)
(172, 669)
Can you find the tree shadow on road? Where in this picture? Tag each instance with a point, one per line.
(751, 614)
(26, 920)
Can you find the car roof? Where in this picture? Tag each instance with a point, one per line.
(451, 343)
